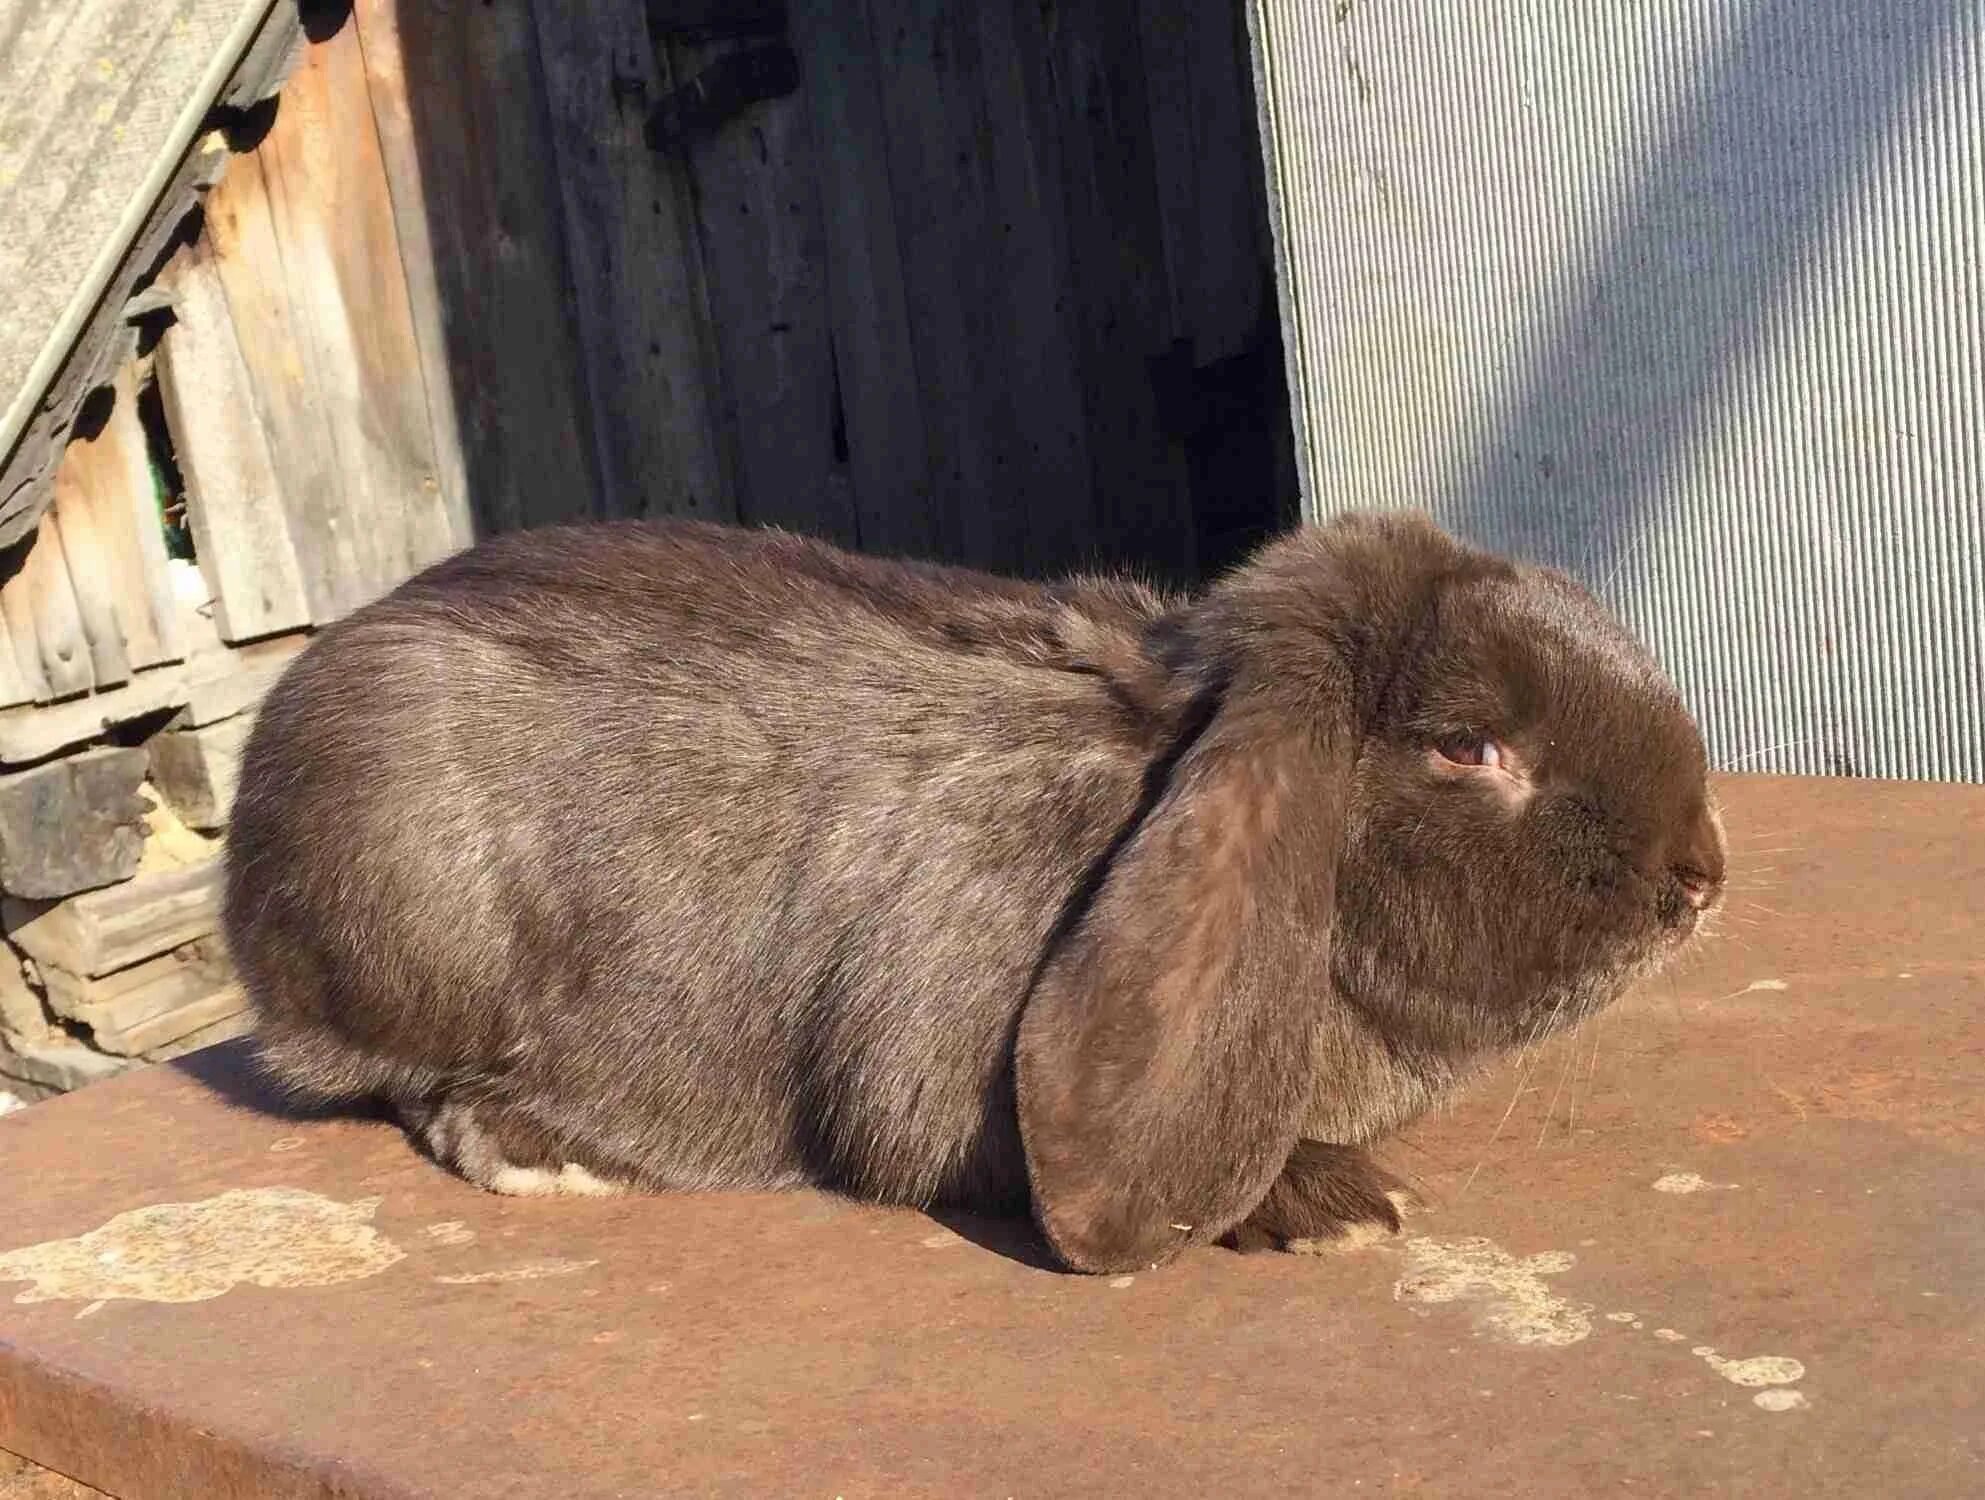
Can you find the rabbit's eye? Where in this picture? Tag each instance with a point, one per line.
(1472, 750)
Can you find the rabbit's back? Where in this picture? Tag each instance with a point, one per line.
(728, 851)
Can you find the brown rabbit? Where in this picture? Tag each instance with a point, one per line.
(682, 857)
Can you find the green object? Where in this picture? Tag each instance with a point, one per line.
(172, 514)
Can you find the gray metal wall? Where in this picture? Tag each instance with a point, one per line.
(1683, 297)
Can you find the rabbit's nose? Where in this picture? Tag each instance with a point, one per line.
(1699, 865)
(1697, 889)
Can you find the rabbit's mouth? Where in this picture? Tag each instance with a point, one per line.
(1465, 976)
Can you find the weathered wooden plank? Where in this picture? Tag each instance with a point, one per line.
(881, 397)
(196, 769)
(941, 217)
(1055, 493)
(384, 517)
(212, 685)
(88, 557)
(23, 1018)
(758, 216)
(221, 1011)
(17, 683)
(72, 824)
(111, 526)
(239, 1023)
(43, 621)
(307, 250)
(26, 677)
(638, 276)
(1203, 132)
(1096, 97)
(99, 101)
(151, 1003)
(1002, 406)
(67, 655)
(60, 1064)
(713, 20)
(248, 259)
(231, 680)
(400, 160)
(481, 185)
(102, 931)
(240, 533)
(32, 732)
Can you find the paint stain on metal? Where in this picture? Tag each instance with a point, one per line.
(193, 1252)
(535, 1270)
(1511, 1301)
(1780, 1400)
(1763, 1369)
(1364, 1236)
(1688, 1182)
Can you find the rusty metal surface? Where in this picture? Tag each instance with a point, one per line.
(1814, 1079)
(21, 1480)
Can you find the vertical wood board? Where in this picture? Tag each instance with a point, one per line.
(479, 180)
(382, 516)
(1121, 299)
(637, 270)
(17, 683)
(248, 258)
(377, 27)
(928, 56)
(881, 395)
(1208, 169)
(233, 502)
(43, 619)
(974, 170)
(112, 510)
(1054, 479)
(87, 568)
(756, 184)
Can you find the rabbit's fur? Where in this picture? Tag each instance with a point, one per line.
(681, 856)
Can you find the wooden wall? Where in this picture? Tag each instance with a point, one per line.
(971, 291)
(989, 285)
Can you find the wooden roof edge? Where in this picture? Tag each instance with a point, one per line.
(94, 336)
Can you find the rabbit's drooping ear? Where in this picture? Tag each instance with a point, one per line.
(1164, 1062)
(1165, 1057)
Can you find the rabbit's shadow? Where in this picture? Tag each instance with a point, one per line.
(1012, 1237)
(230, 1071)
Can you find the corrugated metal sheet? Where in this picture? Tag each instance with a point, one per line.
(1684, 298)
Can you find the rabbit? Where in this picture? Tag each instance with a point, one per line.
(669, 855)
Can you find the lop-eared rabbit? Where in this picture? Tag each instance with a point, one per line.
(678, 856)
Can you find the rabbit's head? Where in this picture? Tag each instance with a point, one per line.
(1441, 790)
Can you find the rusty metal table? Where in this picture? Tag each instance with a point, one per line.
(1729, 1240)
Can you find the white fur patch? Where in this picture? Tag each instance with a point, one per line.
(575, 1179)
(570, 1180)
